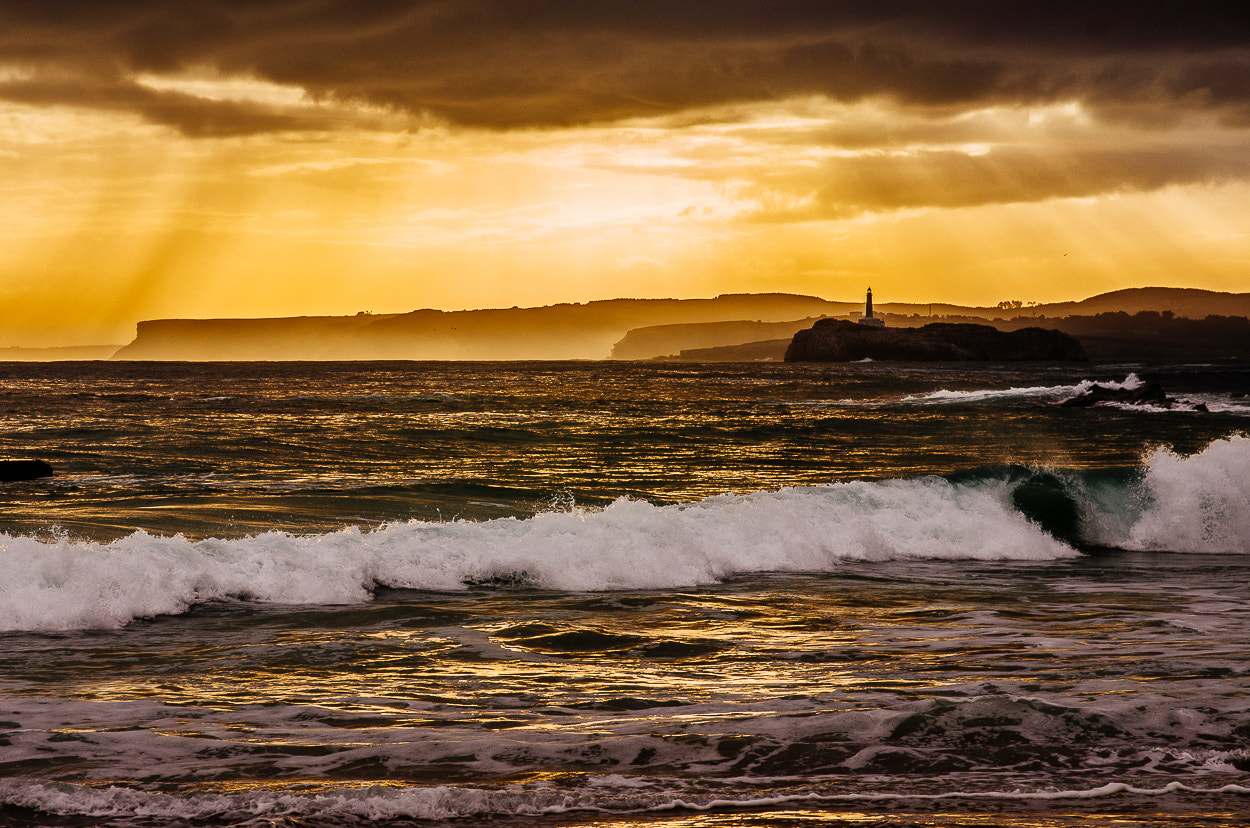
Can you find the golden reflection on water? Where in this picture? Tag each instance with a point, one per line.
(804, 818)
(839, 639)
(801, 819)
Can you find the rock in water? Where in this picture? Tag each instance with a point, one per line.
(836, 340)
(12, 470)
(1148, 393)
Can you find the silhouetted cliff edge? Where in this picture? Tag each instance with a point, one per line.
(295, 338)
(564, 331)
(835, 340)
(688, 328)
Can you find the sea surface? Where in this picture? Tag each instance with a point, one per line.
(626, 594)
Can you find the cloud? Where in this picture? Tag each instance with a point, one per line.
(951, 178)
(505, 64)
(799, 109)
(189, 114)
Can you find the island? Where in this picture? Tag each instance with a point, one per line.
(12, 471)
(837, 340)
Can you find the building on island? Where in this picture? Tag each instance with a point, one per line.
(868, 318)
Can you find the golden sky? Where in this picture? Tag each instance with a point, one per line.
(292, 157)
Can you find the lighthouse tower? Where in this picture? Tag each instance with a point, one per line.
(868, 318)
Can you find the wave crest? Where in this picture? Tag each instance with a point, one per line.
(628, 545)
(1199, 503)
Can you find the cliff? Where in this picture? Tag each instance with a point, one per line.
(191, 340)
(564, 331)
(651, 328)
(834, 340)
(659, 341)
(768, 350)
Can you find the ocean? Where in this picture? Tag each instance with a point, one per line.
(624, 594)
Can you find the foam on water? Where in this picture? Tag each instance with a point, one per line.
(1054, 393)
(1040, 391)
(631, 544)
(372, 803)
(945, 396)
(377, 803)
(1048, 394)
(1199, 503)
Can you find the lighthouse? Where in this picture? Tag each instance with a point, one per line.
(868, 318)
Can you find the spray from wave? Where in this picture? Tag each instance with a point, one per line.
(1195, 504)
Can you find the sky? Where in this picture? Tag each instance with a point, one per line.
(244, 158)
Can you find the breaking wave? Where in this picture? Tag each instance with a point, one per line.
(1199, 503)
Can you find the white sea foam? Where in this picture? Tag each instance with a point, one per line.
(1054, 393)
(1038, 391)
(378, 803)
(261, 807)
(630, 544)
(1199, 503)
(945, 396)
(1130, 383)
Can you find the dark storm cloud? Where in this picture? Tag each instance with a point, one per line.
(191, 115)
(526, 63)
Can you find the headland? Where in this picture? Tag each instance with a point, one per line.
(1136, 324)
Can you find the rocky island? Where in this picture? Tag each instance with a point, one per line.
(12, 471)
(836, 340)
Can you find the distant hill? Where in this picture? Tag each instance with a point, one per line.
(1149, 334)
(721, 342)
(1191, 303)
(624, 328)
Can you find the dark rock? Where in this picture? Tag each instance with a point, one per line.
(1149, 393)
(11, 470)
(835, 340)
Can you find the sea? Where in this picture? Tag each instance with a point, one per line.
(619, 594)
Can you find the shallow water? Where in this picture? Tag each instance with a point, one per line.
(588, 593)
